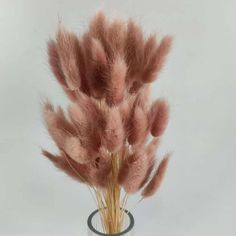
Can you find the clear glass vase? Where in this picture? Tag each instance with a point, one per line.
(95, 225)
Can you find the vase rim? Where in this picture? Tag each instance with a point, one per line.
(130, 226)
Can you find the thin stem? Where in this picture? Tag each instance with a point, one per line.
(109, 200)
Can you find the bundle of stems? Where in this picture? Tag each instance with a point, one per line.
(110, 202)
(109, 136)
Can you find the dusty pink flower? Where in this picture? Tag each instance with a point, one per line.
(133, 171)
(138, 126)
(107, 74)
(113, 136)
(116, 85)
(160, 115)
(67, 48)
(157, 178)
(157, 59)
(74, 149)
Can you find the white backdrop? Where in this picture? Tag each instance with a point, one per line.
(199, 192)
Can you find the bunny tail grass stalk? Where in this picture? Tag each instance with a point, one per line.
(103, 138)
(110, 203)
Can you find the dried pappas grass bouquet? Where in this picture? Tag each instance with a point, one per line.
(110, 137)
